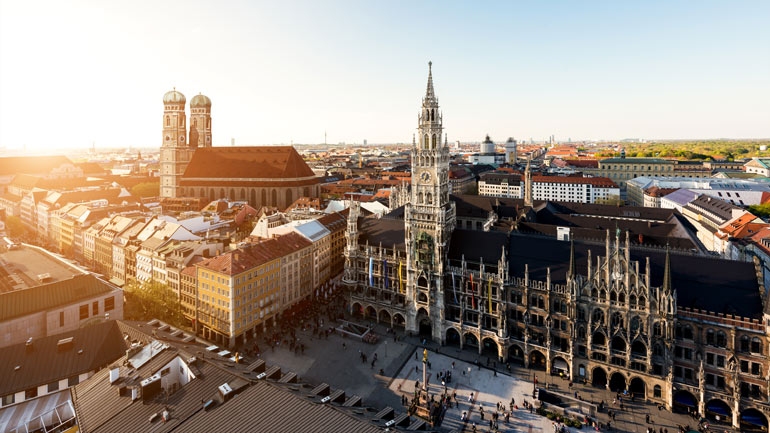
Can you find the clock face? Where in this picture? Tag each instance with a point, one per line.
(425, 176)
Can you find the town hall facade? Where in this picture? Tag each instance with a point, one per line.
(686, 331)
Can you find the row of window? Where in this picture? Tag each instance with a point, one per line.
(109, 305)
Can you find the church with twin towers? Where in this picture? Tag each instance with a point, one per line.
(610, 312)
(192, 167)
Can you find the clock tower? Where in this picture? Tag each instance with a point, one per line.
(429, 220)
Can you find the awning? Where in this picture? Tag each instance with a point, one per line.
(560, 364)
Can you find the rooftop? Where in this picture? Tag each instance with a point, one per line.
(30, 266)
(22, 302)
(252, 162)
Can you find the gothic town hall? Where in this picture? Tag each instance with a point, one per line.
(686, 331)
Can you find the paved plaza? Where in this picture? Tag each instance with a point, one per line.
(393, 375)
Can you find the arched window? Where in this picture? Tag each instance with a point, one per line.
(289, 197)
(425, 141)
(657, 329)
(598, 316)
(656, 391)
(222, 193)
(433, 143)
(594, 293)
(274, 197)
(622, 298)
(582, 333)
(632, 301)
(208, 123)
(243, 193)
(721, 339)
(429, 198)
(253, 194)
(168, 121)
(613, 296)
(756, 345)
(642, 302)
(181, 121)
(710, 337)
(263, 201)
(432, 115)
(195, 123)
(617, 321)
(603, 295)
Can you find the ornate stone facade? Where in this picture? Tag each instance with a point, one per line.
(688, 332)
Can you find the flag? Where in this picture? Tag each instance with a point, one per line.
(385, 272)
(400, 281)
(473, 293)
(454, 291)
(490, 294)
(371, 268)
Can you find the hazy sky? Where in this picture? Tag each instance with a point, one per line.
(74, 72)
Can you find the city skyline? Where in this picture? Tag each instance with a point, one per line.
(290, 73)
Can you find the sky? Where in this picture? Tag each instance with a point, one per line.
(78, 72)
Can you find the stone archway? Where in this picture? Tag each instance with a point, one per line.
(371, 313)
(685, 402)
(617, 382)
(357, 310)
(399, 321)
(384, 317)
(424, 326)
(752, 420)
(471, 341)
(516, 355)
(717, 411)
(638, 388)
(537, 360)
(452, 337)
(599, 377)
(490, 348)
(559, 365)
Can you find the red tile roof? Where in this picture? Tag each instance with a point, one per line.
(248, 162)
(583, 163)
(250, 256)
(595, 181)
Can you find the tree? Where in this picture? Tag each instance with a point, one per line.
(146, 189)
(152, 300)
(760, 210)
(613, 200)
(471, 189)
(15, 227)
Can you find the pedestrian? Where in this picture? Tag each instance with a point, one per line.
(470, 399)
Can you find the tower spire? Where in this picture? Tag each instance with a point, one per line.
(571, 258)
(667, 273)
(429, 92)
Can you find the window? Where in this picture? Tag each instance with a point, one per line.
(61, 318)
(72, 381)
(95, 308)
(656, 391)
(30, 393)
(53, 386)
(84, 312)
(9, 399)
(756, 345)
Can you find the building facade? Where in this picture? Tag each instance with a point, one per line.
(614, 314)
(190, 167)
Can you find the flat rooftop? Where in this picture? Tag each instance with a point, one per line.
(21, 268)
